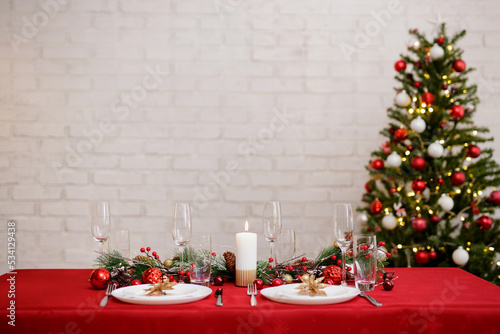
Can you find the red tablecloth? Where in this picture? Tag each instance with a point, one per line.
(424, 300)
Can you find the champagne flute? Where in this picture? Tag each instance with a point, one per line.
(343, 228)
(101, 223)
(271, 220)
(181, 227)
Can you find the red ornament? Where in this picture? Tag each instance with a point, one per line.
(99, 278)
(440, 40)
(457, 112)
(417, 84)
(458, 65)
(434, 219)
(218, 281)
(388, 285)
(152, 276)
(409, 147)
(427, 98)
(393, 191)
(494, 197)
(368, 188)
(432, 255)
(418, 64)
(444, 87)
(388, 275)
(421, 257)
(440, 181)
(376, 207)
(377, 164)
(259, 283)
(419, 224)
(328, 281)
(333, 272)
(135, 282)
(400, 65)
(484, 222)
(473, 151)
(457, 178)
(277, 282)
(400, 134)
(418, 186)
(418, 163)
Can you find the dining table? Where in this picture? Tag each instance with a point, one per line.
(423, 300)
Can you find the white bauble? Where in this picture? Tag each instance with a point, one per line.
(460, 256)
(362, 218)
(389, 222)
(402, 99)
(418, 125)
(446, 202)
(394, 160)
(436, 52)
(435, 149)
(381, 253)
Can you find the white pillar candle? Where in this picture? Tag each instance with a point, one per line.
(246, 257)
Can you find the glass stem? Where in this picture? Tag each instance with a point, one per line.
(344, 281)
(272, 254)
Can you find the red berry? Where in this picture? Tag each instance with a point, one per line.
(259, 283)
(339, 262)
(271, 259)
(277, 282)
(304, 268)
(349, 268)
(188, 274)
(269, 265)
(135, 282)
(174, 281)
(154, 254)
(367, 257)
(381, 243)
(148, 249)
(369, 254)
(181, 272)
(388, 254)
(299, 276)
(304, 259)
(334, 257)
(170, 278)
(143, 250)
(328, 281)
(213, 254)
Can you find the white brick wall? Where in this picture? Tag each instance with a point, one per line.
(227, 67)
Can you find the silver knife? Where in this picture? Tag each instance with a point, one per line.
(218, 294)
(371, 299)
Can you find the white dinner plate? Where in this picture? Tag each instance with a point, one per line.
(181, 294)
(288, 294)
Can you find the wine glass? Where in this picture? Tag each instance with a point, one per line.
(286, 246)
(343, 228)
(271, 220)
(101, 223)
(181, 227)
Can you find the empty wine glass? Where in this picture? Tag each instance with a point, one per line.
(343, 228)
(181, 226)
(271, 220)
(101, 223)
(286, 246)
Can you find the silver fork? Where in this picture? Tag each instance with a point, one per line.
(111, 287)
(252, 291)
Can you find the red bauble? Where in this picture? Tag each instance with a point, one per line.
(388, 285)
(440, 181)
(418, 163)
(400, 134)
(473, 151)
(376, 207)
(494, 197)
(434, 219)
(484, 222)
(440, 40)
(458, 65)
(444, 87)
(259, 283)
(417, 84)
(418, 186)
(457, 112)
(218, 281)
(368, 188)
(377, 164)
(419, 224)
(393, 191)
(400, 65)
(427, 98)
(457, 178)
(418, 64)
(333, 272)
(277, 282)
(432, 255)
(135, 282)
(421, 257)
(328, 281)
(151, 276)
(99, 278)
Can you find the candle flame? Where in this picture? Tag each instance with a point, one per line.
(246, 226)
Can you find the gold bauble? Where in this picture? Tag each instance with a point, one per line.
(168, 263)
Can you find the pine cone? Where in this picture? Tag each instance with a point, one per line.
(230, 259)
(121, 276)
(144, 259)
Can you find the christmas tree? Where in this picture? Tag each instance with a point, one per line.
(431, 194)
